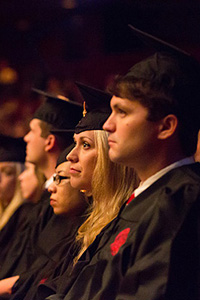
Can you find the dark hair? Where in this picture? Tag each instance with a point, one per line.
(159, 102)
(62, 141)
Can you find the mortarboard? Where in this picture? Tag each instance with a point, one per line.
(98, 106)
(12, 149)
(156, 43)
(97, 103)
(93, 120)
(172, 71)
(167, 60)
(94, 98)
(58, 111)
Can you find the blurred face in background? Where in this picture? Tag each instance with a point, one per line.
(35, 148)
(64, 198)
(29, 182)
(8, 180)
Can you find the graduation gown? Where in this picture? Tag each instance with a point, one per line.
(53, 244)
(150, 251)
(15, 224)
(20, 251)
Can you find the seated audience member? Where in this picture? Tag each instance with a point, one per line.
(31, 183)
(43, 149)
(13, 207)
(151, 249)
(12, 157)
(92, 171)
(69, 206)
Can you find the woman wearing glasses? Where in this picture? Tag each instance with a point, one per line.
(64, 199)
(69, 205)
(92, 172)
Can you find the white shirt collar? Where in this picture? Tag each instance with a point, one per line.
(155, 177)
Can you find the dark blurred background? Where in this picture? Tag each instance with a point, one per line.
(48, 44)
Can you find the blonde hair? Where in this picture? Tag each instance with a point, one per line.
(16, 201)
(112, 185)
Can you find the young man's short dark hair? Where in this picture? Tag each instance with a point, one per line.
(166, 84)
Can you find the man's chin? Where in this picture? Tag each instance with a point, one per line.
(117, 158)
(29, 160)
(113, 156)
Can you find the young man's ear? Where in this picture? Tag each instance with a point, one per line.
(168, 126)
(50, 142)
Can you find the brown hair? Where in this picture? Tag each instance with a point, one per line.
(62, 141)
(159, 102)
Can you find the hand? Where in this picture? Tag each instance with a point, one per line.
(6, 285)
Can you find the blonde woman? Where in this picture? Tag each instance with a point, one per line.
(109, 184)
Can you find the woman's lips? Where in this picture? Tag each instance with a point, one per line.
(74, 171)
(52, 201)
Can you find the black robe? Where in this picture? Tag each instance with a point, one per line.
(52, 245)
(20, 249)
(15, 224)
(150, 251)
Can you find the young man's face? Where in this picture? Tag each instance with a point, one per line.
(35, 149)
(132, 138)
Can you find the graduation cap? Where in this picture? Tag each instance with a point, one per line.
(93, 120)
(58, 110)
(172, 71)
(12, 149)
(62, 157)
(96, 110)
(156, 43)
(94, 98)
(168, 60)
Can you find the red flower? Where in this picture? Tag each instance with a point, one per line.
(43, 280)
(119, 241)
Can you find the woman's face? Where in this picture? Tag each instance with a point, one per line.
(8, 180)
(28, 181)
(64, 198)
(83, 158)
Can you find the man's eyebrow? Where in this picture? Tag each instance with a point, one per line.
(116, 105)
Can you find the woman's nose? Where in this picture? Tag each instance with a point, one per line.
(72, 156)
(52, 188)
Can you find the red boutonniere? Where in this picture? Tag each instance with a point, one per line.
(42, 281)
(119, 241)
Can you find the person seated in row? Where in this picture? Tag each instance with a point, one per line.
(151, 249)
(42, 149)
(109, 184)
(69, 206)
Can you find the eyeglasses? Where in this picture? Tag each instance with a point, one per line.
(58, 178)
